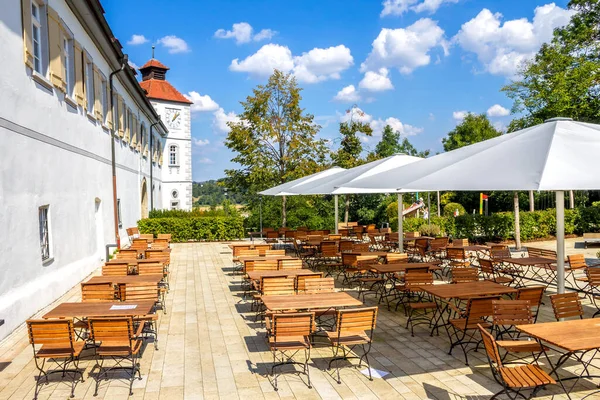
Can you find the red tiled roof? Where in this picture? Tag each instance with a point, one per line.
(163, 90)
(154, 63)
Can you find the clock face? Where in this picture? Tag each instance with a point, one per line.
(173, 118)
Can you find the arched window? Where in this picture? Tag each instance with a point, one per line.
(173, 155)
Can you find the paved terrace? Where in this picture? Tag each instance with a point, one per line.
(210, 347)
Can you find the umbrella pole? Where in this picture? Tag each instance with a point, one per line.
(337, 209)
(428, 208)
(560, 241)
(400, 227)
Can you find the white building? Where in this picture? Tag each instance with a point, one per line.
(58, 208)
(175, 112)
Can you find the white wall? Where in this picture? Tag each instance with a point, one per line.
(179, 177)
(51, 153)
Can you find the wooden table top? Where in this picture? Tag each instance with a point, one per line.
(126, 279)
(263, 258)
(531, 260)
(415, 238)
(251, 245)
(575, 335)
(399, 267)
(310, 301)
(100, 309)
(133, 261)
(256, 275)
(471, 247)
(468, 290)
(369, 253)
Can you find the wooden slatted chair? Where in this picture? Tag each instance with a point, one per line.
(139, 244)
(457, 257)
(593, 281)
(133, 232)
(460, 242)
(513, 379)
(164, 236)
(437, 247)
(293, 264)
(335, 236)
(360, 247)
(490, 273)
(566, 305)
(354, 327)
(160, 244)
(534, 295)
(271, 252)
(237, 250)
(462, 331)
(318, 285)
(142, 292)
(162, 254)
(396, 257)
(59, 344)
(507, 315)
(272, 286)
(272, 237)
(113, 269)
(264, 265)
(302, 279)
(119, 341)
(124, 254)
(463, 275)
(97, 292)
(149, 237)
(290, 334)
(329, 259)
(417, 304)
(577, 265)
(155, 268)
(346, 246)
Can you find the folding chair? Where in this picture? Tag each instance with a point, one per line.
(462, 331)
(464, 274)
(391, 258)
(418, 303)
(164, 236)
(490, 274)
(513, 379)
(155, 267)
(270, 252)
(58, 345)
(126, 254)
(290, 333)
(302, 279)
(141, 292)
(113, 269)
(149, 237)
(119, 342)
(566, 305)
(98, 292)
(354, 327)
(293, 264)
(270, 286)
(457, 257)
(593, 281)
(508, 314)
(534, 295)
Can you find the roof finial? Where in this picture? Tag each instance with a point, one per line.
(153, 47)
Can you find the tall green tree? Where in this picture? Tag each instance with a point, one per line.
(474, 128)
(391, 143)
(563, 79)
(348, 154)
(274, 140)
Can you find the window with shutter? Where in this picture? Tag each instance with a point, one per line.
(55, 50)
(27, 9)
(97, 96)
(89, 83)
(68, 60)
(121, 116)
(78, 71)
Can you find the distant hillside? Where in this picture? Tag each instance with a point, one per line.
(209, 193)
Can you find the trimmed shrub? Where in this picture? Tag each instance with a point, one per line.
(430, 230)
(450, 208)
(194, 228)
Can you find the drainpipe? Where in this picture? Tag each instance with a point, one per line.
(112, 151)
(151, 174)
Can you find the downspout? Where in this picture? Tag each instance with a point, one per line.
(151, 162)
(112, 152)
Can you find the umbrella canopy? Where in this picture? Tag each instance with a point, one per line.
(556, 155)
(283, 189)
(331, 184)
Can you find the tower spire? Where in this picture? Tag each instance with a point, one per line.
(153, 47)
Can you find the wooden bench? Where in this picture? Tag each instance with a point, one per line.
(591, 238)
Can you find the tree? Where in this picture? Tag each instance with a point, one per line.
(348, 154)
(474, 128)
(562, 80)
(391, 143)
(274, 140)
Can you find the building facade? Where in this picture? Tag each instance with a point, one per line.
(175, 112)
(63, 126)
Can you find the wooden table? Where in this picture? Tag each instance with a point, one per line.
(100, 309)
(465, 291)
(369, 253)
(244, 259)
(536, 265)
(310, 301)
(408, 239)
(574, 337)
(256, 275)
(126, 279)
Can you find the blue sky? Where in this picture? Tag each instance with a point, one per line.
(418, 65)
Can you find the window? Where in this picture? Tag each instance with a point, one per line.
(173, 155)
(43, 215)
(115, 113)
(174, 194)
(104, 99)
(174, 204)
(37, 37)
(119, 213)
(89, 86)
(69, 64)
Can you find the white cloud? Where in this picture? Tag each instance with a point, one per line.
(376, 81)
(202, 103)
(502, 48)
(200, 142)
(310, 67)
(399, 7)
(133, 65)
(204, 160)
(243, 32)
(174, 44)
(322, 64)
(405, 48)
(356, 114)
(500, 126)
(349, 94)
(137, 40)
(221, 118)
(497, 111)
(431, 117)
(459, 115)
(265, 60)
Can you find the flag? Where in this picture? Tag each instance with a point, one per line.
(484, 196)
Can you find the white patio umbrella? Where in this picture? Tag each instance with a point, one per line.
(555, 156)
(332, 184)
(282, 190)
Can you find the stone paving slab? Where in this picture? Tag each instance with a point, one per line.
(210, 347)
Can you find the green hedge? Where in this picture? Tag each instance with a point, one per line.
(198, 229)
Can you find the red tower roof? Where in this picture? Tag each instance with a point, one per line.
(155, 83)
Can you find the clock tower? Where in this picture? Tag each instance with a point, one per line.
(174, 110)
